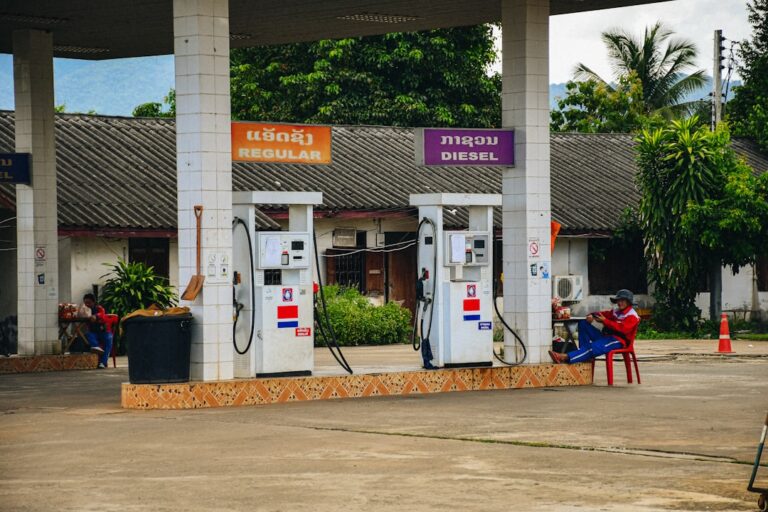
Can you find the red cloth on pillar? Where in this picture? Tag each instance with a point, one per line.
(554, 229)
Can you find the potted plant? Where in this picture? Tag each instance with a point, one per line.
(158, 346)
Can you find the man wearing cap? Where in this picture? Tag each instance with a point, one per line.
(619, 330)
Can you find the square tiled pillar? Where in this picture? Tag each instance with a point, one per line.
(204, 172)
(525, 188)
(36, 222)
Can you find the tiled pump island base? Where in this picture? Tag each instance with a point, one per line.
(47, 363)
(194, 395)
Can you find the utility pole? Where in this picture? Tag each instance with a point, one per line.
(717, 79)
(716, 271)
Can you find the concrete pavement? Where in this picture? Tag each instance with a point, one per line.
(683, 440)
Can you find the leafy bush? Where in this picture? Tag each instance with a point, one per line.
(358, 322)
(133, 286)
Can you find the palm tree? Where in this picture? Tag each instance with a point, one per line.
(662, 72)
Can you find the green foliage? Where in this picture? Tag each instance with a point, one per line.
(679, 165)
(154, 109)
(431, 78)
(733, 227)
(660, 70)
(133, 286)
(358, 322)
(595, 107)
(748, 110)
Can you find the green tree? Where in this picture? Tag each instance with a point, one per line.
(431, 78)
(748, 110)
(594, 107)
(155, 109)
(662, 71)
(733, 228)
(687, 176)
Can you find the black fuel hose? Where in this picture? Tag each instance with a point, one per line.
(238, 307)
(510, 329)
(332, 342)
(416, 338)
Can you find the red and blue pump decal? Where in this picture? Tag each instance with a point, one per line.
(470, 306)
(287, 317)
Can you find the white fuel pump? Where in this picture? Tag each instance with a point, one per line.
(274, 332)
(457, 317)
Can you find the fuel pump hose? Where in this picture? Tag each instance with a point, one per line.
(238, 307)
(510, 329)
(420, 341)
(332, 342)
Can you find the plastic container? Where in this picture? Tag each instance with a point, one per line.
(158, 348)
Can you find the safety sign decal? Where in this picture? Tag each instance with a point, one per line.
(287, 294)
(470, 306)
(287, 317)
(471, 290)
(484, 326)
(303, 331)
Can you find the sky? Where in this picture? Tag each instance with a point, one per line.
(114, 87)
(575, 38)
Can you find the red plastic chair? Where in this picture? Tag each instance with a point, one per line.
(110, 324)
(629, 357)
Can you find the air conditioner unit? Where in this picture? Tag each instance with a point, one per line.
(568, 288)
(345, 237)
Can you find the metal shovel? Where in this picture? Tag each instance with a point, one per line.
(196, 282)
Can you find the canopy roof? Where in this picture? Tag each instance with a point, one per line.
(87, 29)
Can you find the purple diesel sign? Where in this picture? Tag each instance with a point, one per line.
(459, 146)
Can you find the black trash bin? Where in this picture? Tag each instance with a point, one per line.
(158, 348)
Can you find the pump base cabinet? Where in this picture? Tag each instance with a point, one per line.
(469, 327)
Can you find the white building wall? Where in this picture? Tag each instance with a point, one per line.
(87, 257)
(738, 293)
(173, 267)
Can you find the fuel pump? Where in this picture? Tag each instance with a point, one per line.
(273, 289)
(455, 279)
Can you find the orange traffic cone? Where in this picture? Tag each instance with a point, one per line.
(725, 336)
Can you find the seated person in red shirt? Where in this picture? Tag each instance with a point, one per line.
(619, 330)
(98, 330)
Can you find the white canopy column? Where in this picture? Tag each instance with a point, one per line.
(204, 172)
(36, 211)
(525, 188)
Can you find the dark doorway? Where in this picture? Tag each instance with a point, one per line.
(153, 252)
(401, 269)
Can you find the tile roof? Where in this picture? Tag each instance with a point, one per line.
(118, 172)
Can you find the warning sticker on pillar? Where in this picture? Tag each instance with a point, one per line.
(281, 143)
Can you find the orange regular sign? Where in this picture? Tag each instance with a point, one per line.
(283, 143)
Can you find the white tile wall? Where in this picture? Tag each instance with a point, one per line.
(36, 204)
(204, 167)
(526, 192)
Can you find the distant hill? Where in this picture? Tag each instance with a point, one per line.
(115, 87)
(558, 91)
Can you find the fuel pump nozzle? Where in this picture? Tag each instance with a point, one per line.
(419, 341)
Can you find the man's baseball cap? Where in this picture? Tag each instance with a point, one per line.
(624, 294)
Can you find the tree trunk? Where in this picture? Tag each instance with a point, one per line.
(715, 291)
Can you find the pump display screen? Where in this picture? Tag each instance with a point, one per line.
(282, 250)
(479, 244)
